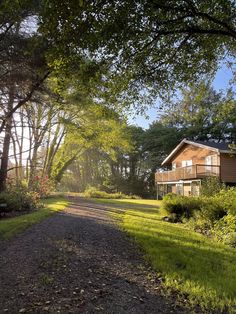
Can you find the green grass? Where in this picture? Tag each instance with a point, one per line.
(12, 226)
(190, 262)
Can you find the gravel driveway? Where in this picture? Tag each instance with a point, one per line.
(78, 261)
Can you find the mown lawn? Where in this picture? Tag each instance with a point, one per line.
(12, 226)
(195, 265)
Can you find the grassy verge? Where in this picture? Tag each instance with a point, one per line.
(192, 264)
(10, 227)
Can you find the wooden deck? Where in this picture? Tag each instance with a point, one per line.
(190, 172)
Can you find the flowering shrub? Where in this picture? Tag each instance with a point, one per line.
(42, 185)
(19, 198)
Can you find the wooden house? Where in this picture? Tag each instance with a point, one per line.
(192, 161)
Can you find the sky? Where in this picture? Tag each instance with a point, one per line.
(221, 81)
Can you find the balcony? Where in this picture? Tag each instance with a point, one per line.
(189, 172)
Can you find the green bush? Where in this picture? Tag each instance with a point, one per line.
(92, 192)
(180, 207)
(225, 230)
(204, 219)
(211, 186)
(170, 196)
(210, 214)
(227, 199)
(19, 198)
(212, 210)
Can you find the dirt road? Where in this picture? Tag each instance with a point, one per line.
(78, 261)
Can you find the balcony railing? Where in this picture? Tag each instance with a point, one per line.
(189, 172)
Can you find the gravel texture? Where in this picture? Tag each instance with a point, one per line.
(78, 261)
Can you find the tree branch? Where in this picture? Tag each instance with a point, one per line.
(23, 101)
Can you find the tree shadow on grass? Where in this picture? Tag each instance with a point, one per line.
(193, 263)
(124, 204)
(199, 266)
(110, 208)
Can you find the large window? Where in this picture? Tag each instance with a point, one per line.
(210, 161)
(186, 163)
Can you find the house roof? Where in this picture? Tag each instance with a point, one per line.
(221, 147)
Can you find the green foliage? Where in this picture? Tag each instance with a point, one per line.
(159, 140)
(180, 207)
(202, 113)
(227, 199)
(19, 198)
(210, 215)
(151, 45)
(225, 230)
(212, 210)
(92, 192)
(94, 137)
(169, 197)
(204, 219)
(42, 185)
(211, 186)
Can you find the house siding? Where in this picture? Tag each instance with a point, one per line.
(196, 154)
(228, 168)
(186, 180)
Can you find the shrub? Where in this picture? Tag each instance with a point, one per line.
(211, 186)
(227, 199)
(180, 207)
(92, 192)
(225, 230)
(169, 196)
(18, 198)
(209, 214)
(211, 210)
(204, 219)
(42, 185)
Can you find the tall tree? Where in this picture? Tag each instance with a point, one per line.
(148, 45)
(23, 68)
(202, 113)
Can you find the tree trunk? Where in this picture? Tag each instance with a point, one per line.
(6, 142)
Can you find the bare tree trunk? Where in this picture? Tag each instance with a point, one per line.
(13, 138)
(6, 142)
(53, 149)
(21, 142)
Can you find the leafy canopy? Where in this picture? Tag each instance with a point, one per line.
(147, 46)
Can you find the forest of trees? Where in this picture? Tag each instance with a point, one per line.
(72, 71)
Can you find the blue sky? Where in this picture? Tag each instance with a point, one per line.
(221, 81)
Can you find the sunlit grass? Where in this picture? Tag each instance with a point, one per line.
(190, 263)
(130, 201)
(12, 226)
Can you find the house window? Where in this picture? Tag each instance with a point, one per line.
(186, 163)
(174, 166)
(195, 188)
(179, 188)
(210, 161)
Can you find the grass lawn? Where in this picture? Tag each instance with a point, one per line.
(10, 227)
(190, 263)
